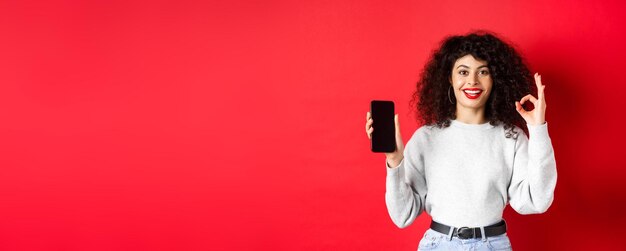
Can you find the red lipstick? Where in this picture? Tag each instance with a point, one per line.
(472, 93)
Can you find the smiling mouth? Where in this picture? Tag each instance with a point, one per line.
(472, 93)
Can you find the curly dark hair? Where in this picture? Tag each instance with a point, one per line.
(511, 81)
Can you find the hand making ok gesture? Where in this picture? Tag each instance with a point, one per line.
(538, 115)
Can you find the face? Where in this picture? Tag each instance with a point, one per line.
(471, 82)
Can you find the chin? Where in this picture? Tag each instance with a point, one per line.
(473, 104)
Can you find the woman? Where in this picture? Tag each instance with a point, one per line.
(471, 158)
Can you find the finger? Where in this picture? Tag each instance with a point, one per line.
(520, 108)
(369, 132)
(537, 79)
(541, 93)
(369, 122)
(369, 115)
(526, 98)
(539, 85)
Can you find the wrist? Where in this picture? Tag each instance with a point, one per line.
(394, 161)
(538, 123)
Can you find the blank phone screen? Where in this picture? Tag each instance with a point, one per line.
(383, 136)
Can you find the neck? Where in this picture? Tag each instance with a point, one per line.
(470, 115)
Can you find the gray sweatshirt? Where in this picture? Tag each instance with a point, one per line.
(465, 175)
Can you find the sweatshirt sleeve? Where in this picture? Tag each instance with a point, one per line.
(406, 187)
(534, 172)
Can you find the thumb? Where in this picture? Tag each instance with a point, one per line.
(397, 122)
(395, 119)
(399, 143)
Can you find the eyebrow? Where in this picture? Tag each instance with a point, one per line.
(468, 66)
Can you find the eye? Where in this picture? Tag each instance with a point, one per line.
(484, 72)
(463, 72)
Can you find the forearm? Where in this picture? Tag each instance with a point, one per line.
(541, 166)
(402, 204)
(532, 189)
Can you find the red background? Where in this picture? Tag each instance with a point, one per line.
(239, 125)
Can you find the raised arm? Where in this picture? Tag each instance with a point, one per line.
(534, 168)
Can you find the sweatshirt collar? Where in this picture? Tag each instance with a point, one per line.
(460, 124)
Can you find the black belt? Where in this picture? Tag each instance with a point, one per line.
(469, 233)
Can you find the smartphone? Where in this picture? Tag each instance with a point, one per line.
(384, 134)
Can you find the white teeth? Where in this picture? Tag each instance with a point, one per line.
(472, 92)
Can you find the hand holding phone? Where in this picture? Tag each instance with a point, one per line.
(387, 137)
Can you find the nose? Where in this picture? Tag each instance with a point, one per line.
(473, 80)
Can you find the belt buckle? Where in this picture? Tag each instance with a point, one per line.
(464, 233)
